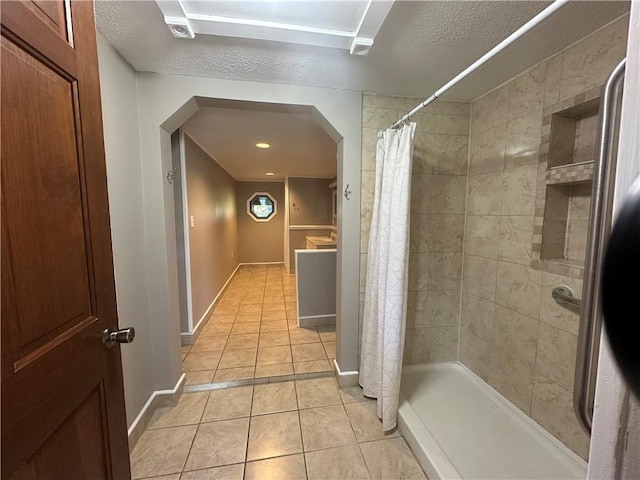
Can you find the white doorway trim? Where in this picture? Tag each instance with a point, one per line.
(185, 231)
(287, 260)
(165, 102)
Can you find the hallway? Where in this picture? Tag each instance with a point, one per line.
(253, 333)
(290, 430)
(285, 428)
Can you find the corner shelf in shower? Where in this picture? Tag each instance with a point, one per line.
(565, 175)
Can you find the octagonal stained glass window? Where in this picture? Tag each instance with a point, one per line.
(262, 207)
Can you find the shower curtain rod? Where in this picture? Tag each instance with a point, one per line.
(543, 15)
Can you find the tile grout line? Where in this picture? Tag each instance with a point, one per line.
(194, 470)
(251, 415)
(304, 457)
(535, 358)
(366, 464)
(292, 362)
(246, 450)
(193, 441)
(265, 277)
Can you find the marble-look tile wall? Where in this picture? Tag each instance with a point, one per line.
(512, 333)
(439, 180)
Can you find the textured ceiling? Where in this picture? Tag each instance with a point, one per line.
(299, 146)
(420, 46)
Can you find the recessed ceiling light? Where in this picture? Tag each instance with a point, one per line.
(262, 145)
(269, 174)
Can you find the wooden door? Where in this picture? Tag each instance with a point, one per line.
(62, 396)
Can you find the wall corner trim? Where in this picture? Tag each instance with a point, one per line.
(345, 379)
(159, 398)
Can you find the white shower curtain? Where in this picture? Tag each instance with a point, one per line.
(385, 304)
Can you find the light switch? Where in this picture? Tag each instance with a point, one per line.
(192, 221)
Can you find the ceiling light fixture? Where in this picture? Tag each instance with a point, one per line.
(262, 145)
(269, 174)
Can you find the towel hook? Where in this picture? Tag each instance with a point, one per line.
(347, 192)
(171, 174)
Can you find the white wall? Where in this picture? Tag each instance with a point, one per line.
(124, 177)
(160, 97)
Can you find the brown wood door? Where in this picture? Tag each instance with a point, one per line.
(62, 407)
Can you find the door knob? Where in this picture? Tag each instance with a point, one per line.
(124, 335)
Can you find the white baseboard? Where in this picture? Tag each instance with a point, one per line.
(159, 398)
(262, 263)
(345, 379)
(188, 338)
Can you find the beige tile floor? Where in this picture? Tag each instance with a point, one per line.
(302, 429)
(253, 333)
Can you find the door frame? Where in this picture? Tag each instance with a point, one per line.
(616, 433)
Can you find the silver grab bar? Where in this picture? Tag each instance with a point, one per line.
(564, 296)
(584, 385)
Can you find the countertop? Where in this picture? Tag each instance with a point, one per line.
(322, 241)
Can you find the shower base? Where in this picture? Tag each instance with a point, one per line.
(461, 428)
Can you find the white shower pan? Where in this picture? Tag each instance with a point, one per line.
(461, 428)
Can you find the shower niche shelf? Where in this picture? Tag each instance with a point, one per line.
(565, 177)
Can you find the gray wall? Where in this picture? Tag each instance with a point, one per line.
(213, 240)
(124, 177)
(260, 242)
(165, 102)
(310, 201)
(316, 283)
(298, 241)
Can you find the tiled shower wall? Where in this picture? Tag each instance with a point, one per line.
(512, 333)
(439, 179)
